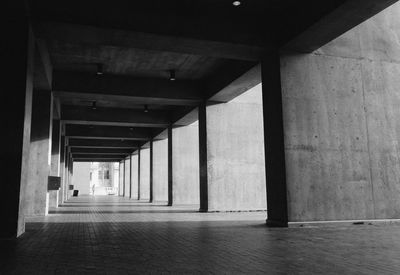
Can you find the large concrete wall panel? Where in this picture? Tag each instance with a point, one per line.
(341, 124)
(185, 165)
(135, 172)
(235, 150)
(145, 174)
(326, 140)
(127, 177)
(160, 171)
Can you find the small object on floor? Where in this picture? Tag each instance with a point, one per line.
(75, 194)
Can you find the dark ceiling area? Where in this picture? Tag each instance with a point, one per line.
(123, 71)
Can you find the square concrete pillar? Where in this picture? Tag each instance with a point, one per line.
(274, 141)
(62, 170)
(151, 170)
(17, 58)
(231, 154)
(55, 160)
(170, 167)
(40, 154)
(127, 176)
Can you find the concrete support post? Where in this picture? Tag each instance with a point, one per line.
(170, 178)
(151, 171)
(138, 174)
(130, 176)
(55, 160)
(18, 49)
(274, 142)
(40, 153)
(203, 158)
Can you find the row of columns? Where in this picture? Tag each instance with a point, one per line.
(25, 198)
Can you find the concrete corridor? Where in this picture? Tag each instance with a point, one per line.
(114, 235)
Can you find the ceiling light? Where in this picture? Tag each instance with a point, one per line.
(172, 75)
(146, 109)
(99, 69)
(236, 3)
(94, 106)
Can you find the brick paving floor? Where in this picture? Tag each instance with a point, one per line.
(111, 235)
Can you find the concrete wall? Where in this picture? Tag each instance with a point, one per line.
(145, 174)
(135, 172)
(342, 132)
(40, 154)
(185, 165)
(121, 179)
(127, 177)
(81, 178)
(160, 171)
(235, 151)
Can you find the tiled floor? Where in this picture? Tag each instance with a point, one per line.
(110, 235)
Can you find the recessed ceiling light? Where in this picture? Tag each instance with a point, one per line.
(172, 75)
(94, 106)
(99, 69)
(146, 109)
(236, 3)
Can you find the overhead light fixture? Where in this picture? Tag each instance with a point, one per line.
(94, 106)
(131, 128)
(172, 75)
(99, 69)
(146, 108)
(236, 3)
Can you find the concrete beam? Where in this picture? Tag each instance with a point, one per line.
(348, 15)
(73, 33)
(101, 156)
(111, 151)
(99, 143)
(138, 90)
(107, 132)
(114, 116)
(96, 160)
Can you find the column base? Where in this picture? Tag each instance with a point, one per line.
(276, 223)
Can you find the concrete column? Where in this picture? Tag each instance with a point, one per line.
(138, 174)
(18, 49)
(130, 176)
(151, 171)
(170, 176)
(55, 160)
(203, 170)
(274, 141)
(40, 153)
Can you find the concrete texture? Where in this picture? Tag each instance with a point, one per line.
(81, 178)
(185, 164)
(341, 125)
(145, 174)
(160, 171)
(235, 152)
(127, 178)
(55, 161)
(121, 179)
(135, 176)
(62, 169)
(40, 154)
(19, 59)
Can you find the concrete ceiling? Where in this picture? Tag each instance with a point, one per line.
(213, 47)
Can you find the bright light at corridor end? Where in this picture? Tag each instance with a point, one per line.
(236, 3)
